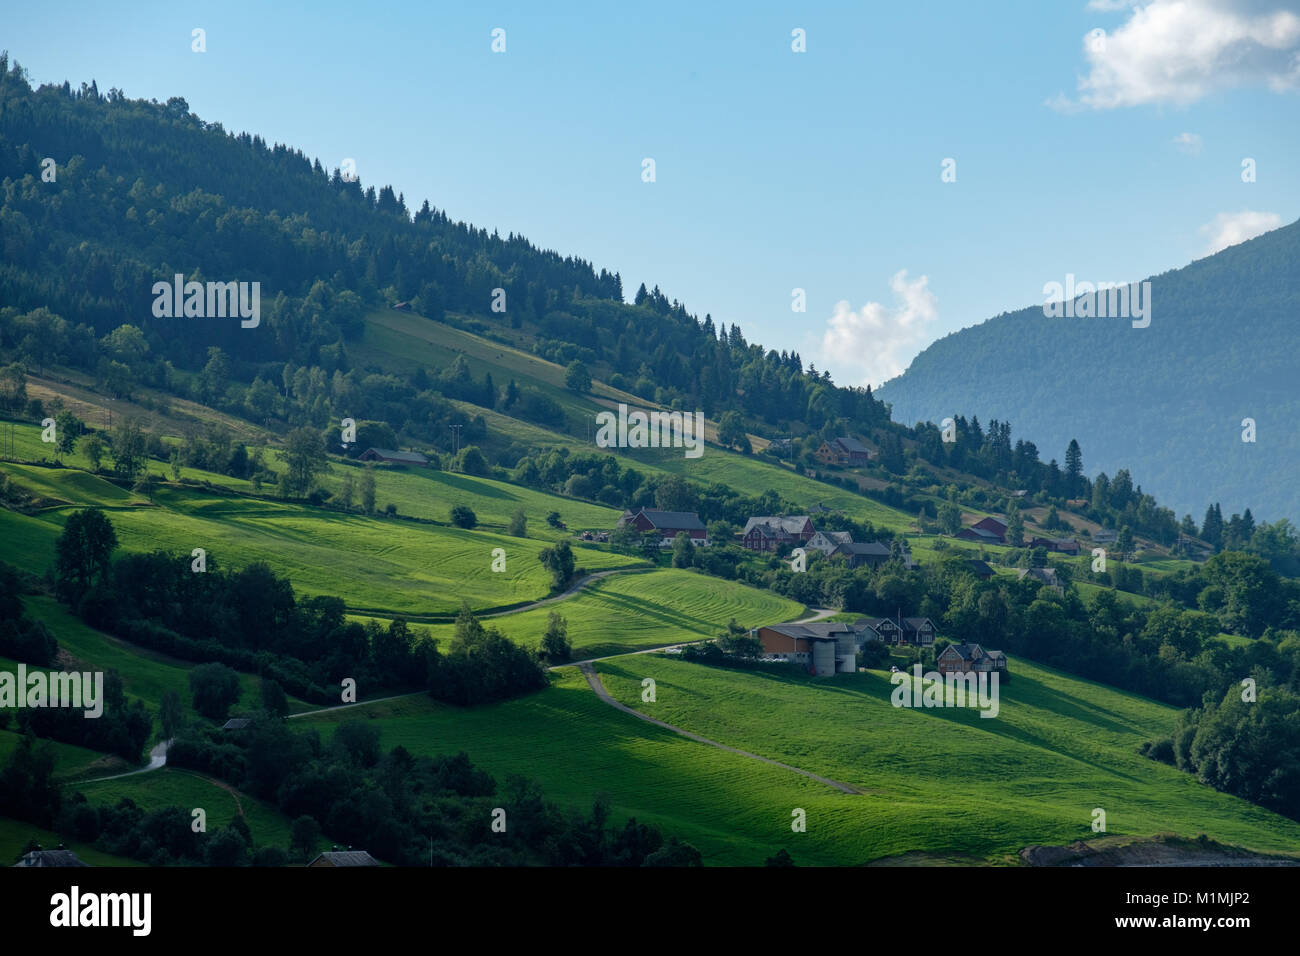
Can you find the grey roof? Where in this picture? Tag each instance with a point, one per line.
(409, 457)
(678, 520)
(347, 858)
(1046, 575)
(851, 445)
(980, 532)
(814, 631)
(864, 547)
(790, 524)
(978, 566)
(51, 858)
(236, 723)
(968, 652)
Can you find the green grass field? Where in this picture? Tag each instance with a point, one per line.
(15, 834)
(943, 784)
(945, 780)
(628, 612)
(174, 787)
(736, 811)
(384, 565)
(146, 674)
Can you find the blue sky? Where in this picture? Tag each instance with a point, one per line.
(775, 170)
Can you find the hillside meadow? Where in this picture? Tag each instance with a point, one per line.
(946, 780)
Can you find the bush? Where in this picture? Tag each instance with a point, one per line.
(462, 516)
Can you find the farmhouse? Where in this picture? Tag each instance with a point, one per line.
(827, 541)
(1105, 536)
(772, 532)
(344, 858)
(917, 631)
(394, 457)
(1045, 576)
(59, 857)
(823, 647)
(988, 530)
(980, 568)
(968, 659)
(870, 553)
(844, 451)
(1058, 545)
(668, 524)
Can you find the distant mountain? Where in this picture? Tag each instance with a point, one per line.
(1166, 401)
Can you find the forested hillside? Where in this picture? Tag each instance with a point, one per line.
(144, 190)
(1166, 401)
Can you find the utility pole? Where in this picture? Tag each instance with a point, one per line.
(455, 438)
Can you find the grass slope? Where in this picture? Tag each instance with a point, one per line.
(945, 780)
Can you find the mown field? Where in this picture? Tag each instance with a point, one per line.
(736, 811)
(948, 785)
(175, 787)
(945, 780)
(635, 611)
(385, 565)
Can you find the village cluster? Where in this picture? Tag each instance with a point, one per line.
(832, 647)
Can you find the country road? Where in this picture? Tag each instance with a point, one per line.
(567, 593)
(158, 755)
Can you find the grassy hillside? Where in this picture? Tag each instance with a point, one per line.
(736, 811)
(375, 564)
(146, 674)
(629, 612)
(174, 787)
(945, 780)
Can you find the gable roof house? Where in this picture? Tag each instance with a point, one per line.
(394, 457)
(668, 524)
(980, 568)
(917, 631)
(827, 541)
(1046, 576)
(344, 858)
(988, 530)
(771, 532)
(823, 647)
(844, 451)
(869, 553)
(1059, 545)
(59, 857)
(979, 534)
(1105, 535)
(970, 658)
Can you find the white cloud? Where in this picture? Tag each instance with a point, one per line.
(878, 341)
(1179, 51)
(1188, 143)
(1230, 228)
